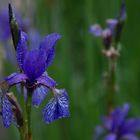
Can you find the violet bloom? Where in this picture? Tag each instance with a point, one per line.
(33, 77)
(118, 126)
(113, 28)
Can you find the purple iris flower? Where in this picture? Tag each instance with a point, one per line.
(113, 28)
(118, 126)
(35, 79)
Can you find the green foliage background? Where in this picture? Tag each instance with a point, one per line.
(79, 64)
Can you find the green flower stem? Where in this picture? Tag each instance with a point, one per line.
(28, 113)
(25, 129)
(22, 134)
(111, 83)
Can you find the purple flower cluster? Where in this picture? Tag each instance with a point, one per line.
(35, 79)
(117, 126)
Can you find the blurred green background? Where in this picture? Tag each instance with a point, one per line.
(79, 64)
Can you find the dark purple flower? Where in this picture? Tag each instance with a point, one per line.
(33, 64)
(118, 126)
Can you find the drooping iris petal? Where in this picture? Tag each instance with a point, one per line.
(16, 78)
(130, 137)
(49, 111)
(56, 108)
(48, 44)
(131, 126)
(46, 81)
(6, 112)
(39, 95)
(34, 64)
(95, 30)
(21, 49)
(119, 115)
(63, 102)
(111, 137)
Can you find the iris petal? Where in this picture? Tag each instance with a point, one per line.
(119, 115)
(50, 56)
(39, 95)
(6, 112)
(131, 126)
(21, 49)
(34, 64)
(16, 78)
(56, 108)
(46, 81)
(48, 44)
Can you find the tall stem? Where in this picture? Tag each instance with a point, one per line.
(22, 134)
(28, 113)
(111, 83)
(25, 129)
